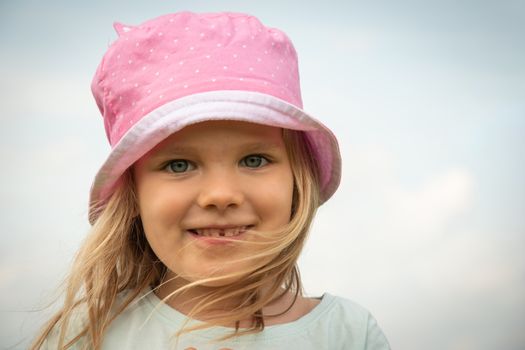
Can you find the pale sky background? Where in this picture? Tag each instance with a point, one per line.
(427, 99)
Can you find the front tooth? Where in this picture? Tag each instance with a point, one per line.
(213, 232)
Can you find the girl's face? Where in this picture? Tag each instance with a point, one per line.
(211, 181)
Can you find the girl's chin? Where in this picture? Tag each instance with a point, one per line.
(209, 278)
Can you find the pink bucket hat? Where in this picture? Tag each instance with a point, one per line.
(186, 68)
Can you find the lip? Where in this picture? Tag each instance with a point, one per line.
(217, 240)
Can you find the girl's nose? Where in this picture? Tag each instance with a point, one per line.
(220, 192)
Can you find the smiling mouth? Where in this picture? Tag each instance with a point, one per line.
(220, 232)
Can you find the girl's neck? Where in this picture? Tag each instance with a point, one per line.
(285, 307)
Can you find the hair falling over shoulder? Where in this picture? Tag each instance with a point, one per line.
(116, 257)
(113, 258)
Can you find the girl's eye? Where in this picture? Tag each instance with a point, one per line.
(254, 161)
(179, 166)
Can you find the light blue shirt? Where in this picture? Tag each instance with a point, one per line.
(335, 323)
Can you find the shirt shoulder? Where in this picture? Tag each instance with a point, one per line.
(350, 325)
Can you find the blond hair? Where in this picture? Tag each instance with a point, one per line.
(116, 258)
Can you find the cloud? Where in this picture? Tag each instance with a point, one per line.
(377, 219)
(428, 210)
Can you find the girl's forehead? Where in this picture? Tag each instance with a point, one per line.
(223, 132)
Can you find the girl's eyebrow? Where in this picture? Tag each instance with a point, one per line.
(245, 147)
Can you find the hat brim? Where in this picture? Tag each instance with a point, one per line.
(245, 106)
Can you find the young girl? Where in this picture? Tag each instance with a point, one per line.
(202, 208)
